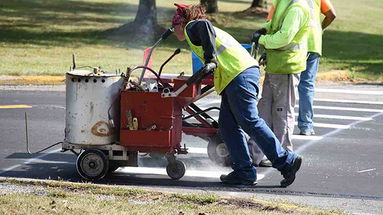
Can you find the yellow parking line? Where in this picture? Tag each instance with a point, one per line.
(14, 106)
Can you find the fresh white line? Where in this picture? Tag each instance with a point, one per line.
(29, 161)
(9, 168)
(314, 142)
(191, 172)
(359, 92)
(339, 117)
(366, 170)
(303, 147)
(349, 101)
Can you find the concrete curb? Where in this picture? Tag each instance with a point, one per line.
(32, 80)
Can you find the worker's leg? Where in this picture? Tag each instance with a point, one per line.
(306, 94)
(264, 107)
(235, 141)
(284, 91)
(242, 100)
(266, 101)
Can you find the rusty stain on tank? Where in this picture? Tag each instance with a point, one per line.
(102, 129)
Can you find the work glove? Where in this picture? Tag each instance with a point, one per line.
(262, 59)
(209, 67)
(257, 34)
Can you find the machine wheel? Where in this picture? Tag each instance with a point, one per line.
(217, 152)
(92, 164)
(176, 169)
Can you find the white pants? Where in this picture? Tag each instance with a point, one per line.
(276, 107)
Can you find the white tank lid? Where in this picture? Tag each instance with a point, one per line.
(90, 73)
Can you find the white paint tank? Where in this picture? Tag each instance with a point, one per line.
(92, 105)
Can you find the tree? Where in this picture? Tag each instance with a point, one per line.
(211, 5)
(147, 13)
(145, 27)
(259, 3)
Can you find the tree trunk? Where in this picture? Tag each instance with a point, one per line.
(144, 28)
(147, 13)
(211, 5)
(259, 3)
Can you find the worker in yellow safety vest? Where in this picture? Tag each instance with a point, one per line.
(307, 79)
(236, 76)
(285, 40)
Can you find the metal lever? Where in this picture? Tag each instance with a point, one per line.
(27, 138)
(163, 36)
(176, 52)
(198, 76)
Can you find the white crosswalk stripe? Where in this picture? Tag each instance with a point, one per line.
(342, 117)
(343, 91)
(349, 101)
(328, 125)
(348, 109)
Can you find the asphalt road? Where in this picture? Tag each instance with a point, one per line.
(342, 162)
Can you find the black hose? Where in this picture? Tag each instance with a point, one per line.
(151, 70)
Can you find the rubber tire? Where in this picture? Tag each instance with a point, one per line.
(216, 144)
(176, 169)
(102, 161)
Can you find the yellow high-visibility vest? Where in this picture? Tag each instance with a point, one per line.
(291, 58)
(314, 40)
(231, 56)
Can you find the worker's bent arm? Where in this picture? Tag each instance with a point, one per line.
(330, 15)
(292, 23)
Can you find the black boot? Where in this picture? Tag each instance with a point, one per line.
(289, 176)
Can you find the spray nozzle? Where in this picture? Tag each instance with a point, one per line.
(167, 33)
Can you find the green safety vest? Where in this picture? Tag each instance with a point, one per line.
(314, 41)
(231, 56)
(289, 59)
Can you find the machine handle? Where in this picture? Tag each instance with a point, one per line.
(198, 76)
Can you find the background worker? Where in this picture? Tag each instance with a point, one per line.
(307, 78)
(236, 76)
(285, 40)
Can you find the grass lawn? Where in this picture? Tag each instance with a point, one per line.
(37, 37)
(56, 197)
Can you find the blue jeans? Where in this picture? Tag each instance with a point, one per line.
(239, 114)
(306, 93)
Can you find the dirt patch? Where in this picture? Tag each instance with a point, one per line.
(254, 11)
(335, 76)
(35, 80)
